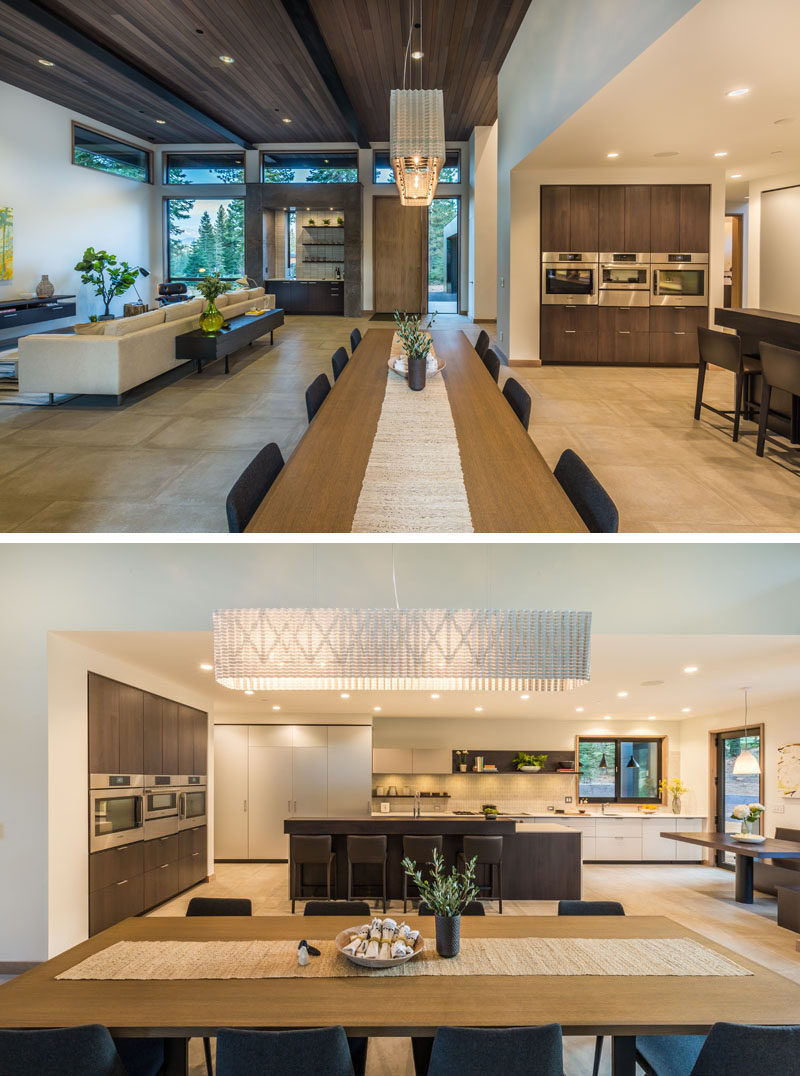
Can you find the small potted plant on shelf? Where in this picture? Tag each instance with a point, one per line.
(489, 811)
(748, 814)
(340, 221)
(529, 763)
(462, 760)
(211, 287)
(674, 788)
(447, 895)
(326, 221)
(311, 221)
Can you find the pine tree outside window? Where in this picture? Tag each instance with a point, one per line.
(205, 235)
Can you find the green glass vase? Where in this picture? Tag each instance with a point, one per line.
(211, 320)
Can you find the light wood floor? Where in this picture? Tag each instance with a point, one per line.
(699, 897)
(166, 463)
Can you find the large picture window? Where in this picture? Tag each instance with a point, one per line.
(205, 235)
(208, 168)
(619, 770)
(382, 171)
(93, 149)
(310, 167)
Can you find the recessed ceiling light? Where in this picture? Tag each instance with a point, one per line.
(652, 717)
(606, 717)
(249, 692)
(690, 669)
(377, 709)
(524, 697)
(46, 63)
(478, 709)
(666, 153)
(578, 709)
(610, 155)
(736, 175)
(721, 153)
(227, 59)
(686, 709)
(286, 120)
(276, 707)
(162, 122)
(651, 683)
(345, 695)
(738, 93)
(434, 696)
(622, 694)
(206, 667)
(417, 55)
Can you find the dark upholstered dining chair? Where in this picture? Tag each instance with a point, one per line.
(356, 908)
(70, 1051)
(519, 399)
(588, 497)
(355, 340)
(725, 350)
(780, 369)
(475, 907)
(339, 360)
(513, 1051)
(482, 343)
(283, 1053)
(732, 1049)
(491, 362)
(252, 486)
(592, 907)
(316, 394)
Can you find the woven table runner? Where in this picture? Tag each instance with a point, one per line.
(478, 956)
(413, 480)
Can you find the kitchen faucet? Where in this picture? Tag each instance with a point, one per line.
(417, 805)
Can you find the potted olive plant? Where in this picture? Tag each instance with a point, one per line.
(416, 345)
(447, 895)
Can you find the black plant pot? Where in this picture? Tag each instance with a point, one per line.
(448, 935)
(416, 374)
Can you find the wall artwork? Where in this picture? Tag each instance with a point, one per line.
(6, 242)
(789, 770)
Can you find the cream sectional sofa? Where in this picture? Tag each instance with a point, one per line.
(125, 353)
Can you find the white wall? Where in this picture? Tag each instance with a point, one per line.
(482, 300)
(68, 665)
(779, 272)
(781, 726)
(61, 208)
(58, 587)
(564, 52)
(523, 284)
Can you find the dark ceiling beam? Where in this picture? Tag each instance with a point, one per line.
(65, 32)
(304, 22)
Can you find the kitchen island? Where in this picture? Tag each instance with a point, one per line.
(540, 862)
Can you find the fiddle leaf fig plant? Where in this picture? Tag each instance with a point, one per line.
(109, 277)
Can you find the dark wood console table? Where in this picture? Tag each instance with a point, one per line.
(14, 312)
(745, 854)
(235, 334)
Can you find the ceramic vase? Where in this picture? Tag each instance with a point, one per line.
(448, 935)
(416, 374)
(44, 289)
(211, 320)
(676, 805)
(749, 827)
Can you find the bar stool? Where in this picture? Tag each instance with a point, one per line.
(780, 369)
(724, 349)
(363, 850)
(303, 852)
(420, 851)
(489, 852)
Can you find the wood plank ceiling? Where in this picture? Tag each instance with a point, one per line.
(178, 45)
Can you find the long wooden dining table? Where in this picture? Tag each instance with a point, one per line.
(509, 486)
(621, 1006)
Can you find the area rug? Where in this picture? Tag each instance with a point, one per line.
(413, 481)
(479, 956)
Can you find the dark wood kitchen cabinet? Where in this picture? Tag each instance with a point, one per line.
(116, 887)
(115, 726)
(624, 335)
(637, 218)
(583, 221)
(673, 334)
(153, 752)
(624, 219)
(569, 218)
(695, 210)
(555, 218)
(192, 864)
(679, 218)
(169, 737)
(192, 740)
(131, 731)
(569, 334)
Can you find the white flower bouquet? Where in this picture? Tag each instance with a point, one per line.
(747, 812)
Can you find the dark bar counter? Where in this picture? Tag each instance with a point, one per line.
(540, 862)
(755, 326)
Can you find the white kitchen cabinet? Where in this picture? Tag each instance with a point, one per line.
(396, 760)
(270, 798)
(618, 847)
(270, 736)
(586, 826)
(618, 827)
(349, 770)
(689, 853)
(230, 792)
(309, 735)
(431, 760)
(309, 782)
(654, 846)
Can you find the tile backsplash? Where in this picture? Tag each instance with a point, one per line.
(322, 245)
(511, 792)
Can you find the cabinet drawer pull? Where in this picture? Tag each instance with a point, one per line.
(123, 882)
(570, 332)
(163, 866)
(164, 838)
(679, 334)
(195, 854)
(623, 332)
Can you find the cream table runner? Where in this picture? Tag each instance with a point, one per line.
(478, 956)
(413, 480)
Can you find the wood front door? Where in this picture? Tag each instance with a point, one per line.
(400, 256)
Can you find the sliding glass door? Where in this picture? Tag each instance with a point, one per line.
(732, 788)
(443, 226)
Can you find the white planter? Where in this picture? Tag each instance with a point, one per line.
(529, 769)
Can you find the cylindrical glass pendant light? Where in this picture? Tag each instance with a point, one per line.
(416, 143)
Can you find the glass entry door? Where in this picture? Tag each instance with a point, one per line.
(733, 789)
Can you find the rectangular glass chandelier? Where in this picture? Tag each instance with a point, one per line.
(401, 649)
(416, 143)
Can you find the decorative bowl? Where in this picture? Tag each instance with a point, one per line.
(529, 769)
(428, 373)
(751, 838)
(343, 938)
